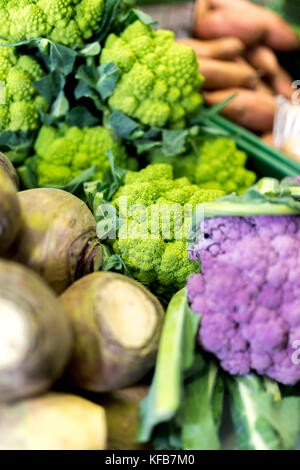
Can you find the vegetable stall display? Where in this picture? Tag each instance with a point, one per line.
(116, 158)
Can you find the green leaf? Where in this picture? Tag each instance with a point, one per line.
(109, 75)
(123, 125)
(91, 50)
(60, 106)
(262, 422)
(81, 117)
(135, 14)
(164, 399)
(50, 86)
(16, 145)
(174, 141)
(62, 58)
(27, 174)
(203, 395)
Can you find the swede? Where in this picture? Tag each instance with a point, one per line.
(54, 421)
(10, 211)
(117, 324)
(57, 237)
(35, 335)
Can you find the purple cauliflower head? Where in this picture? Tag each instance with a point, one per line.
(248, 294)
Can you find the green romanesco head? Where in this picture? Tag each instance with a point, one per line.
(159, 83)
(20, 101)
(218, 165)
(68, 22)
(157, 213)
(64, 153)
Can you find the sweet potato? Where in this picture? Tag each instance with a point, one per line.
(268, 138)
(35, 335)
(278, 34)
(117, 324)
(220, 74)
(10, 211)
(223, 48)
(249, 28)
(54, 421)
(250, 109)
(282, 84)
(57, 237)
(263, 59)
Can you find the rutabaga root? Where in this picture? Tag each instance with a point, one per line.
(57, 238)
(122, 409)
(8, 167)
(35, 335)
(10, 212)
(54, 421)
(117, 325)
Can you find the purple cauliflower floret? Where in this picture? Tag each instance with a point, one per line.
(248, 294)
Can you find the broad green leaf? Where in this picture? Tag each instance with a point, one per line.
(81, 117)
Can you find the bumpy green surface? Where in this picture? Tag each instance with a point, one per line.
(67, 22)
(158, 256)
(159, 84)
(19, 100)
(62, 154)
(219, 165)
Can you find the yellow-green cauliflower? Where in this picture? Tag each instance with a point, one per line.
(68, 22)
(159, 83)
(64, 153)
(154, 237)
(19, 100)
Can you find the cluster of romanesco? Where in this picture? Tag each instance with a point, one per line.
(153, 241)
(62, 154)
(159, 80)
(218, 165)
(67, 22)
(20, 101)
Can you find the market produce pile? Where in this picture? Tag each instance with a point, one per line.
(120, 198)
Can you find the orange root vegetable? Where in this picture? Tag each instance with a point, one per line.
(57, 238)
(263, 59)
(268, 138)
(8, 167)
(35, 335)
(249, 108)
(249, 28)
(282, 84)
(121, 409)
(223, 48)
(263, 87)
(279, 35)
(54, 421)
(117, 324)
(10, 212)
(220, 74)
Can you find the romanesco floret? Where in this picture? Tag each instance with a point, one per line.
(153, 241)
(219, 165)
(20, 104)
(68, 22)
(159, 83)
(62, 154)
